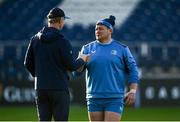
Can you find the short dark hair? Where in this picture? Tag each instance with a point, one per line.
(54, 20)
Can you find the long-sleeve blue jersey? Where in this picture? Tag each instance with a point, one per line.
(109, 66)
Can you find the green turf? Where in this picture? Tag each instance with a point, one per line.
(152, 114)
(78, 113)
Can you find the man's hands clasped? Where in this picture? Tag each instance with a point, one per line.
(85, 57)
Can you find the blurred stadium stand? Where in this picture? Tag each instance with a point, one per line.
(151, 28)
(21, 18)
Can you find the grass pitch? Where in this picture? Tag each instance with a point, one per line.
(79, 113)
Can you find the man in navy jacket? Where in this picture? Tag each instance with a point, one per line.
(49, 57)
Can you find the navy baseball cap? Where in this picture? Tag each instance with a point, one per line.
(56, 12)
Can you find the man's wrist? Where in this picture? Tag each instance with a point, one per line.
(132, 91)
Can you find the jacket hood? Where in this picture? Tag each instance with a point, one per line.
(49, 34)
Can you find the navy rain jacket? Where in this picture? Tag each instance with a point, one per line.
(49, 57)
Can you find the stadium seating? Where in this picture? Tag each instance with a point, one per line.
(23, 18)
(154, 22)
(146, 23)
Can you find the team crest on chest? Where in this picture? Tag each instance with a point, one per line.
(93, 51)
(114, 52)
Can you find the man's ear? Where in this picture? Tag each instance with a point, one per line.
(60, 20)
(111, 30)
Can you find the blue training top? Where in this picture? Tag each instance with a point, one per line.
(107, 69)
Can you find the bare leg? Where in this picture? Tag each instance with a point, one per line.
(96, 116)
(112, 116)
